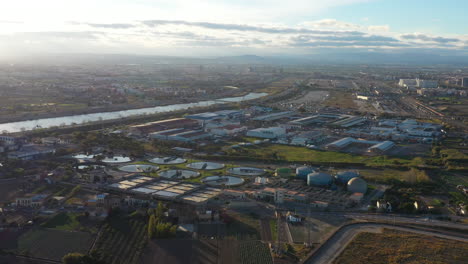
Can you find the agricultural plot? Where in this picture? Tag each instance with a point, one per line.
(399, 247)
(254, 252)
(122, 240)
(53, 244)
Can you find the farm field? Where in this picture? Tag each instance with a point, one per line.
(224, 251)
(254, 252)
(399, 247)
(122, 239)
(53, 244)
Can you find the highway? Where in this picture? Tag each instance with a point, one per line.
(333, 247)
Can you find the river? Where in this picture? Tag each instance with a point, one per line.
(82, 119)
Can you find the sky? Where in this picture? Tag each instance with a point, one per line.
(222, 28)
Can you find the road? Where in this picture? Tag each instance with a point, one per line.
(333, 247)
(390, 218)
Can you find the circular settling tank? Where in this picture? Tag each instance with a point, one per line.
(205, 165)
(91, 167)
(84, 156)
(223, 180)
(168, 160)
(116, 159)
(247, 171)
(139, 168)
(179, 174)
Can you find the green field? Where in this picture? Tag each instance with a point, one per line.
(53, 244)
(63, 221)
(274, 229)
(302, 154)
(385, 175)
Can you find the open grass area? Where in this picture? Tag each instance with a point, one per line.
(123, 239)
(385, 175)
(72, 222)
(298, 232)
(52, 243)
(304, 155)
(274, 229)
(341, 100)
(63, 221)
(455, 178)
(398, 247)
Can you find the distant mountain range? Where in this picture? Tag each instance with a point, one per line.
(404, 57)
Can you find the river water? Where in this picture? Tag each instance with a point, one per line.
(81, 119)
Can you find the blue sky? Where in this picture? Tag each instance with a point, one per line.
(222, 27)
(431, 16)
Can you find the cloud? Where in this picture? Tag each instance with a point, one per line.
(382, 28)
(428, 38)
(112, 26)
(330, 23)
(10, 22)
(240, 27)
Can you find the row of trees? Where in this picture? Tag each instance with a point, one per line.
(157, 227)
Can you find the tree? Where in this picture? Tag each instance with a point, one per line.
(78, 258)
(152, 226)
(74, 258)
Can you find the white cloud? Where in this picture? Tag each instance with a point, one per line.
(382, 28)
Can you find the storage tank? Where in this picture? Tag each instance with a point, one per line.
(357, 185)
(319, 179)
(345, 176)
(302, 172)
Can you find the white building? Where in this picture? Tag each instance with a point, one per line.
(426, 83)
(270, 132)
(407, 83)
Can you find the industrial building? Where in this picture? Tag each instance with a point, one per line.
(30, 152)
(344, 177)
(218, 115)
(319, 179)
(270, 132)
(273, 116)
(310, 137)
(180, 134)
(373, 146)
(357, 185)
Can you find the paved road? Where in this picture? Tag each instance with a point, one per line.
(390, 218)
(333, 247)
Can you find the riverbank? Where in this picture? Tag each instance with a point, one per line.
(65, 121)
